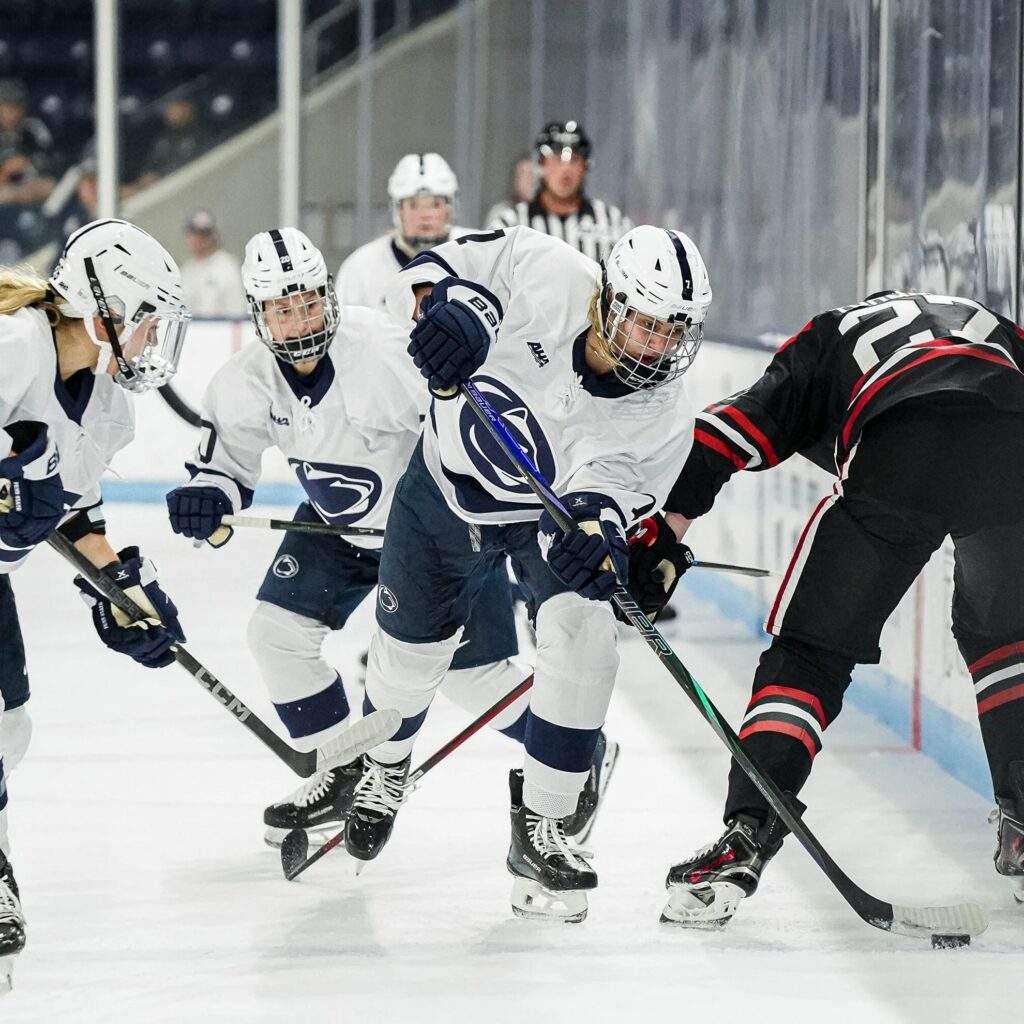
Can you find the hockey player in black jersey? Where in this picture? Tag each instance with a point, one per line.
(916, 403)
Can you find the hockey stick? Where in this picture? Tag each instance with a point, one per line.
(964, 919)
(254, 522)
(360, 737)
(295, 847)
(740, 570)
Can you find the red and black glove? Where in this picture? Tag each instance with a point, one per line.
(656, 561)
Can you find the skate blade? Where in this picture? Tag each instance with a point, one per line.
(709, 907)
(6, 974)
(530, 900)
(274, 837)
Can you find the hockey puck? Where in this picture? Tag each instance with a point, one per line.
(950, 941)
(294, 849)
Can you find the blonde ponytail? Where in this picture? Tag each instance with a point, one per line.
(23, 287)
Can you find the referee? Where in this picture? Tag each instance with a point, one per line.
(561, 207)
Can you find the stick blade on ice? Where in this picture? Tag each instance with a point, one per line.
(924, 922)
(358, 738)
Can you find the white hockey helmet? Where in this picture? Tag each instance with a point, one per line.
(421, 174)
(116, 271)
(285, 277)
(655, 299)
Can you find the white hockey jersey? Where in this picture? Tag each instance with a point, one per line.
(90, 417)
(583, 431)
(365, 276)
(347, 429)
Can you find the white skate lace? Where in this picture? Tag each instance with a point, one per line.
(381, 788)
(549, 840)
(309, 792)
(306, 418)
(10, 907)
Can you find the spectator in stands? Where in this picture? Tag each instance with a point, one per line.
(212, 278)
(83, 206)
(181, 138)
(26, 148)
(561, 206)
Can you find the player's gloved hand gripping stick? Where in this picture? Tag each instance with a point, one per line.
(921, 922)
(357, 739)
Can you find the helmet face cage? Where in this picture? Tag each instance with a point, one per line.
(151, 345)
(647, 356)
(305, 322)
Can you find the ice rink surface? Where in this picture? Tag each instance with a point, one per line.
(136, 824)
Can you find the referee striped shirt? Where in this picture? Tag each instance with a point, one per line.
(593, 229)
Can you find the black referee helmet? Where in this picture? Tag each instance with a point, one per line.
(563, 139)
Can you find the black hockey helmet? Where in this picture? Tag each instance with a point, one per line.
(557, 137)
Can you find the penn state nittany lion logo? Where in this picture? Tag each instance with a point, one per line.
(341, 494)
(286, 567)
(487, 457)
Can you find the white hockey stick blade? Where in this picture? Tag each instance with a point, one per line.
(924, 922)
(358, 738)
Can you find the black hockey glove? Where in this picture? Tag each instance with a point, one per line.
(593, 560)
(458, 322)
(197, 511)
(31, 491)
(656, 561)
(148, 641)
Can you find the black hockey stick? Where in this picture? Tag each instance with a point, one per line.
(964, 919)
(254, 522)
(360, 737)
(295, 847)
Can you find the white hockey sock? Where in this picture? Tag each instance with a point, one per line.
(477, 689)
(405, 676)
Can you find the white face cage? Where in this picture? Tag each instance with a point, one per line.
(300, 326)
(648, 352)
(150, 344)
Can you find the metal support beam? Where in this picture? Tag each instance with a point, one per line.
(364, 126)
(106, 33)
(289, 108)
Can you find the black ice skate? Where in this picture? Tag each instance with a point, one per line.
(378, 795)
(12, 923)
(551, 876)
(580, 823)
(318, 806)
(1008, 818)
(705, 890)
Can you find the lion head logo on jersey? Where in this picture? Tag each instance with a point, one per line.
(341, 494)
(488, 459)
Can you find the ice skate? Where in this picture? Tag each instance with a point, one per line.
(12, 924)
(378, 796)
(580, 823)
(319, 806)
(551, 875)
(705, 890)
(1008, 818)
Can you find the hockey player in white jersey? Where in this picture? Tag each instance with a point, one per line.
(584, 364)
(422, 190)
(109, 321)
(332, 388)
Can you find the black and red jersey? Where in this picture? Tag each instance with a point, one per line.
(845, 367)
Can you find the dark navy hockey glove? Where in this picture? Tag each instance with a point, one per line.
(594, 559)
(458, 321)
(31, 492)
(147, 640)
(197, 511)
(656, 562)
